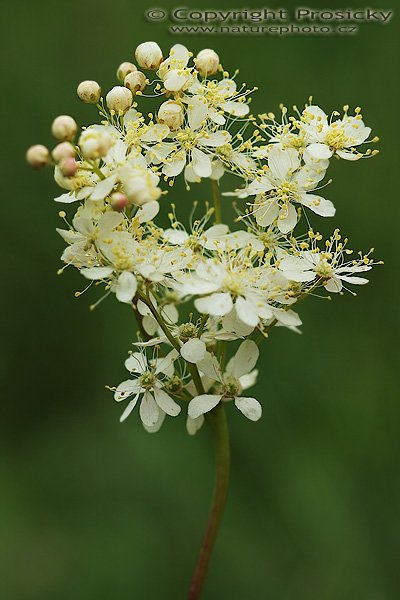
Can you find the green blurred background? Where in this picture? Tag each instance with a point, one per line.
(95, 510)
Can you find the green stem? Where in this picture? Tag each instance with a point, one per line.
(174, 342)
(219, 428)
(217, 201)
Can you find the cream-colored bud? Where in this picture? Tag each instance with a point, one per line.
(119, 99)
(62, 151)
(136, 81)
(149, 55)
(123, 70)
(64, 128)
(119, 201)
(68, 167)
(89, 92)
(207, 62)
(171, 113)
(38, 156)
(95, 142)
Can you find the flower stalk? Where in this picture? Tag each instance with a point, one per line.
(219, 429)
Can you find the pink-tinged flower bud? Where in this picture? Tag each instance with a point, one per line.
(207, 62)
(68, 167)
(149, 55)
(64, 128)
(62, 151)
(124, 69)
(171, 113)
(38, 156)
(89, 92)
(136, 81)
(119, 99)
(119, 201)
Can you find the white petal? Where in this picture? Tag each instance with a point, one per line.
(217, 170)
(136, 363)
(201, 163)
(202, 404)
(321, 206)
(355, 280)
(97, 272)
(126, 287)
(176, 165)
(154, 428)
(333, 285)
(197, 111)
(219, 138)
(287, 218)
(129, 409)
(103, 188)
(210, 367)
(149, 411)
(248, 380)
(193, 350)
(66, 198)
(237, 109)
(247, 312)
(166, 364)
(216, 116)
(193, 425)
(166, 403)
(250, 407)
(126, 389)
(349, 155)
(245, 358)
(217, 304)
(319, 151)
(148, 211)
(283, 162)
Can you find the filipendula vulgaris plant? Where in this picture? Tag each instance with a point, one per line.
(240, 279)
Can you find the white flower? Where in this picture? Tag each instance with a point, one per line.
(239, 376)
(194, 149)
(148, 384)
(286, 182)
(326, 137)
(328, 265)
(211, 99)
(174, 72)
(229, 282)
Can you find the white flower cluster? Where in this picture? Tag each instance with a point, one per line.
(237, 282)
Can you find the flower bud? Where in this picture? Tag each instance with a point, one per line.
(62, 151)
(119, 99)
(136, 81)
(64, 128)
(119, 201)
(95, 142)
(68, 167)
(38, 156)
(207, 62)
(149, 55)
(171, 113)
(123, 70)
(89, 92)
